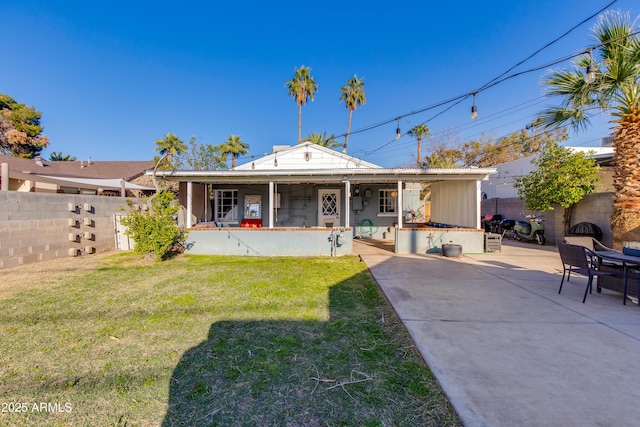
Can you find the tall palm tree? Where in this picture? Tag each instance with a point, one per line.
(302, 87)
(323, 139)
(420, 131)
(353, 96)
(616, 90)
(234, 146)
(168, 147)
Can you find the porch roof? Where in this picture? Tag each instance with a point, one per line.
(373, 175)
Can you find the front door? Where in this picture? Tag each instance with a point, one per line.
(329, 208)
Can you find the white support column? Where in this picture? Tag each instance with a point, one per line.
(271, 207)
(478, 204)
(399, 204)
(4, 176)
(189, 204)
(207, 202)
(347, 206)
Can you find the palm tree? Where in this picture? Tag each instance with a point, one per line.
(420, 131)
(353, 96)
(59, 157)
(234, 146)
(615, 89)
(168, 147)
(323, 140)
(302, 87)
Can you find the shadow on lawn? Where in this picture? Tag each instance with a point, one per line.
(288, 372)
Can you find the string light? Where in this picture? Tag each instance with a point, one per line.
(398, 133)
(590, 74)
(474, 109)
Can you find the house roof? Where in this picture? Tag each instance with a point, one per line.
(321, 165)
(84, 174)
(78, 169)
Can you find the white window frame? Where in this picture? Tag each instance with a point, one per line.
(384, 195)
(219, 204)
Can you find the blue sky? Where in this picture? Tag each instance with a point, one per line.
(112, 77)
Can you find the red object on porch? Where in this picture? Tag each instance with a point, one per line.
(251, 223)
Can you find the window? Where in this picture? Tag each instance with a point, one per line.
(225, 205)
(253, 206)
(388, 202)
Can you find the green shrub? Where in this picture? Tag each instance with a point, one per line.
(155, 230)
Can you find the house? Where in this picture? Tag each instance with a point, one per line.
(499, 196)
(311, 200)
(110, 178)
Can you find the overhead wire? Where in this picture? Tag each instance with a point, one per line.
(499, 79)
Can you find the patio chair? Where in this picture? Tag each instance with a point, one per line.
(576, 259)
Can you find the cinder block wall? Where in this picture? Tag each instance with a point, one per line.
(39, 226)
(595, 208)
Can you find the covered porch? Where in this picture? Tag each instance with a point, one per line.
(309, 200)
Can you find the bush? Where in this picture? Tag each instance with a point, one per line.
(155, 230)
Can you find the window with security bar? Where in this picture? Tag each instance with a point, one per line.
(330, 204)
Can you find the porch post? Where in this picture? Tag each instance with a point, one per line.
(347, 207)
(4, 176)
(189, 200)
(270, 204)
(399, 203)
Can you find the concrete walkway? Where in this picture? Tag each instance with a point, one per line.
(506, 348)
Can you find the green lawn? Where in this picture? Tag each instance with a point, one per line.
(208, 341)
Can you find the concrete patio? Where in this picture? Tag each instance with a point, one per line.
(506, 347)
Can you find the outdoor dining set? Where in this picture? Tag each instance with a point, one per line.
(618, 271)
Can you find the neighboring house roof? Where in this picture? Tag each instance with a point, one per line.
(79, 169)
(85, 174)
(308, 162)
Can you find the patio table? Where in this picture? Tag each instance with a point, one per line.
(627, 261)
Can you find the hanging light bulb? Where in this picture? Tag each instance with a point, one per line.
(590, 74)
(474, 109)
(275, 161)
(398, 133)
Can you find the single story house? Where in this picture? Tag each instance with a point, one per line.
(107, 178)
(311, 200)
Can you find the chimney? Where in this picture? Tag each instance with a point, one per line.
(38, 161)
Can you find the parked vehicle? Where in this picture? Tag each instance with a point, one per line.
(531, 230)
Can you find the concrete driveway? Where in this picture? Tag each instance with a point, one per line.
(506, 348)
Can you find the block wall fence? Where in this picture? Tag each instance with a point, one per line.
(40, 226)
(595, 208)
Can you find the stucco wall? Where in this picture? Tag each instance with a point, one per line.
(39, 226)
(269, 242)
(421, 240)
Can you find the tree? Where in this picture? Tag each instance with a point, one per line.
(561, 177)
(169, 146)
(201, 157)
(420, 131)
(234, 146)
(323, 140)
(615, 90)
(59, 157)
(487, 151)
(353, 96)
(20, 129)
(302, 87)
